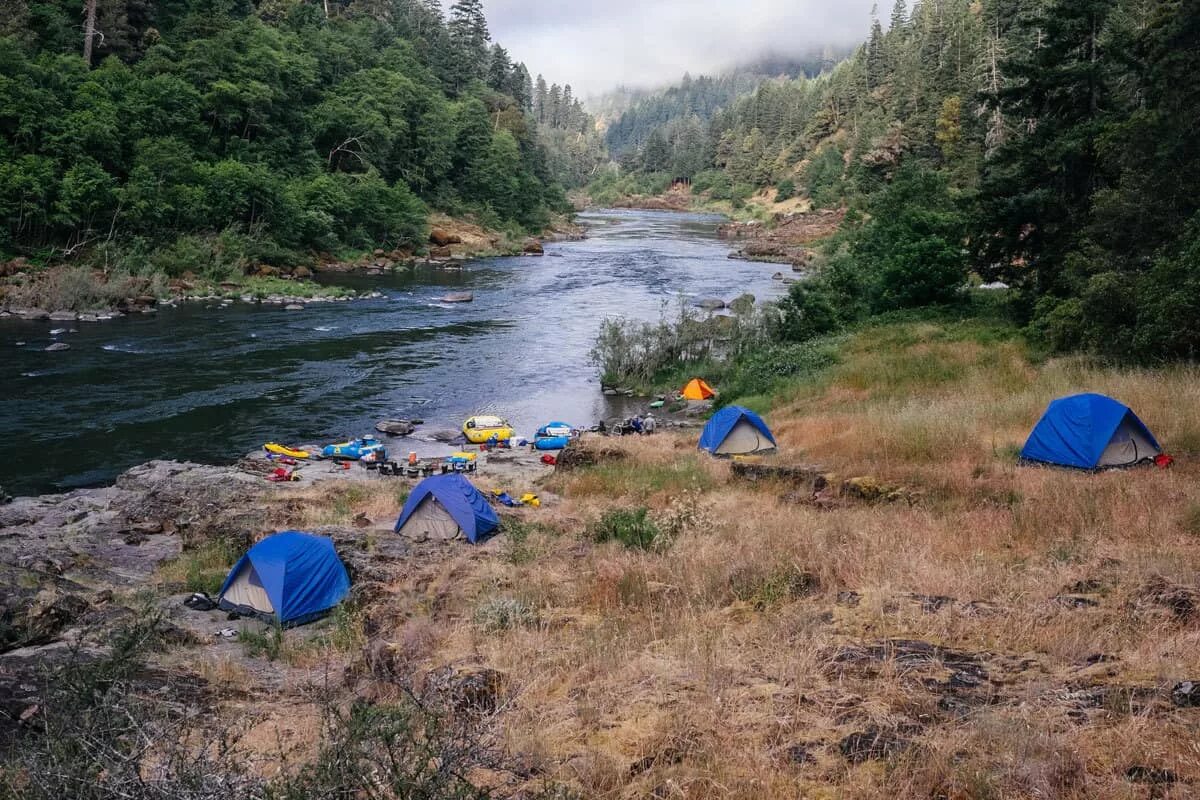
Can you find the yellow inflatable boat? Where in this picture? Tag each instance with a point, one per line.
(281, 450)
(479, 430)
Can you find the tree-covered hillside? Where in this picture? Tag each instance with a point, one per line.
(208, 134)
(679, 114)
(1052, 144)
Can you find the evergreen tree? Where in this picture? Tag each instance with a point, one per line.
(499, 72)
(469, 35)
(540, 99)
(1037, 190)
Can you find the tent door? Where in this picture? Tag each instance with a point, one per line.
(1127, 446)
(744, 438)
(430, 518)
(247, 590)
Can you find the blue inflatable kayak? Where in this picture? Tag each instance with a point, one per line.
(356, 449)
(552, 442)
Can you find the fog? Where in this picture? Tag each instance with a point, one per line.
(596, 45)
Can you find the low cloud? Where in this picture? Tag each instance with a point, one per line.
(597, 44)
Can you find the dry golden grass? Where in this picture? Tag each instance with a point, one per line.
(718, 667)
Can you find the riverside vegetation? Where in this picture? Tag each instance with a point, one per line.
(1044, 143)
(205, 141)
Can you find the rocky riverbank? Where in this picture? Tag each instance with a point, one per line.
(453, 242)
(65, 293)
(787, 239)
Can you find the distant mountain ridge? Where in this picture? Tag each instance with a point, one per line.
(630, 115)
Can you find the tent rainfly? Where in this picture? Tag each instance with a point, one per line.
(445, 507)
(1090, 431)
(698, 389)
(734, 431)
(289, 578)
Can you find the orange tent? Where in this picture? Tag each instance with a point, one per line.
(697, 389)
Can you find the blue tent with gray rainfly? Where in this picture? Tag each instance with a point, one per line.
(1090, 431)
(736, 431)
(289, 578)
(446, 507)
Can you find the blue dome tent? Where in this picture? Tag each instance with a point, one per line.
(736, 431)
(1090, 431)
(445, 506)
(289, 578)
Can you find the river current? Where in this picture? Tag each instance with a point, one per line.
(208, 383)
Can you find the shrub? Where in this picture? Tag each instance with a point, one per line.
(518, 549)
(807, 312)
(267, 642)
(504, 613)
(911, 249)
(785, 190)
(632, 527)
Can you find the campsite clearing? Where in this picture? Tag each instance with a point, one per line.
(907, 612)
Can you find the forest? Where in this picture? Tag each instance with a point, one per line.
(167, 136)
(1052, 145)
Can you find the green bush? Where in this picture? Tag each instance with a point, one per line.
(911, 249)
(764, 371)
(632, 527)
(785, 190)
(806, 312)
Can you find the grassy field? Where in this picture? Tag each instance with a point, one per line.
(999, 631)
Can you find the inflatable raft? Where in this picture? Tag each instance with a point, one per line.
(481, 429)
(356, 449)
(554, 429)
(552, 442)
(282, 450)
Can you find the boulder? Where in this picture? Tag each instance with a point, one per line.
(1186, 694)
(711, 304)
(442, 237)
(267, 271)
(293, 307)
(533, 248)
(395, 427)
(581, 454)
(63, 316)
(457, 297)
(441, 251)
(32, 313)
(743, 304)
(302, 273)
(57, 347)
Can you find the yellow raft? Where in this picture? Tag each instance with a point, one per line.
(479, 430)
(281, 450)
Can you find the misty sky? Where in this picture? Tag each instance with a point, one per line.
(597, 44)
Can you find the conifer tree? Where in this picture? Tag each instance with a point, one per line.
(469, 36)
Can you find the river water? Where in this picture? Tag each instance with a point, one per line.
(209, 383)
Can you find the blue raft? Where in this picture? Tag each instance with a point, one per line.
(552, 442)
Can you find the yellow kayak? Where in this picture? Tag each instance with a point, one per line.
(479, 430)
(281, 450)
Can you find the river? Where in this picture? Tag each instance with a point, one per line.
(209, 383)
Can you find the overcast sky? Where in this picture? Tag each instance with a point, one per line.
(597, 44)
